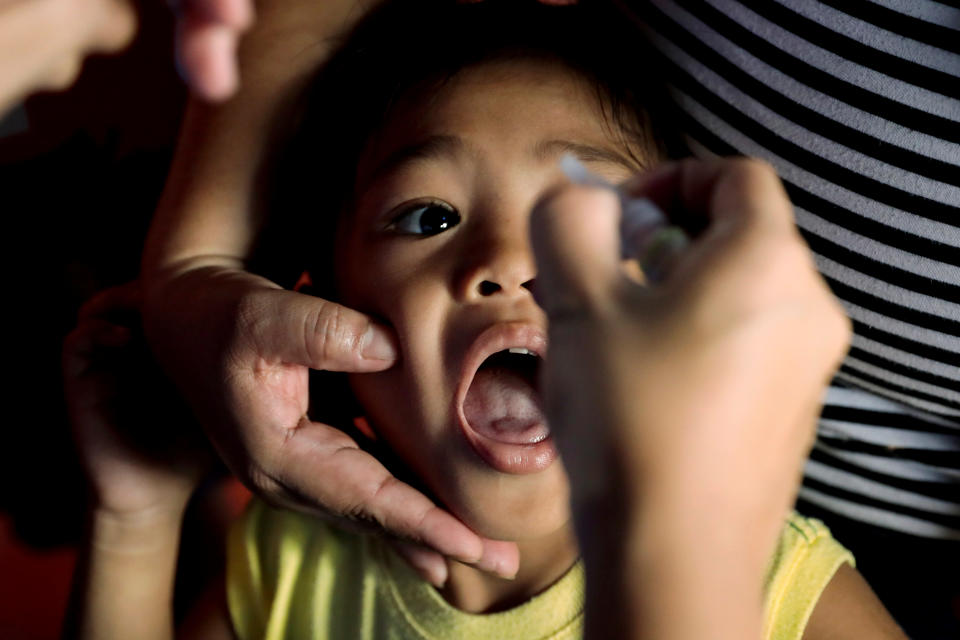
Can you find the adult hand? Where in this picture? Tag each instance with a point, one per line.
(240, 349)
(43, 42)
(208, 32)
(704, 388)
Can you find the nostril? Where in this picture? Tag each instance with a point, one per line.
(488, 288)
(528, 285)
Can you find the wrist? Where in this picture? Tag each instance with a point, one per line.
(139, 532)
(672, 572)
(713, 521)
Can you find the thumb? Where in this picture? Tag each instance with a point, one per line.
(315, 333)
(575, 234)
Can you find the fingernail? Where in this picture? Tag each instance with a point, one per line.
(378, 345)
(434, 572)
(495, 566)
(440, 578)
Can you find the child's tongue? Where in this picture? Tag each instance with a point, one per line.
(501, 404)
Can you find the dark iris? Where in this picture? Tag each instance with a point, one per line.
(435, 219)
(426, 220)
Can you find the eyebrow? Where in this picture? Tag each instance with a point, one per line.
(431, 148)
(451, 146)
(547, 149)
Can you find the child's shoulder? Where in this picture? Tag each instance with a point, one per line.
(291, 575)
(803, 563)
(277, 560)
(278, 540)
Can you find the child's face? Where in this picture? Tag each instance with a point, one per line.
(438, 245)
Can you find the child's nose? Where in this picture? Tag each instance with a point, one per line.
(488, 287)
(502, 266)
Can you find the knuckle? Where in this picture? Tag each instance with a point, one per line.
(749, 171)
(263, 483)
(405, 527)
(251, 318)
(757, 167)
(323, 331)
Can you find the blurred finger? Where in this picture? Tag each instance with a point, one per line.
(576, 241)
(118, 27)
(309, 331)
(237, 14)
(207, 52)
(121, 300)
(729, 196)
(428, 563)
(82, 345)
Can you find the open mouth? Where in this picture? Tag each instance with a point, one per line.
(499, 404)
(502, 402)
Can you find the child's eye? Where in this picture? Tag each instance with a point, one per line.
(426, 219)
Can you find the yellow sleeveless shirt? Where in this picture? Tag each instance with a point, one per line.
(292, 576)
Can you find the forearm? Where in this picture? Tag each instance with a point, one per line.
(661, 572)
(123, 586)
(211, 208)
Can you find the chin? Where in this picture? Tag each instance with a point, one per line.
(504, 507)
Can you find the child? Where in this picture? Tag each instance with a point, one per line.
(442, 125)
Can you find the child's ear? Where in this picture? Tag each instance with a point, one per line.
(305, 284)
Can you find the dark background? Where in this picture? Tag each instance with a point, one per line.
(80, 174)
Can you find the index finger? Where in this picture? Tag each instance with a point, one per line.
(323, 464)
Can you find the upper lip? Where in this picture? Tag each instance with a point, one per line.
(501, 336)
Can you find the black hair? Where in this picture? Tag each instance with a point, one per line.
(409, 47)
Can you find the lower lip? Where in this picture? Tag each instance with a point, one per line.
(507, 457)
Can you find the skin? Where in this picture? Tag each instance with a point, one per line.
(426, 287)
(701, 405)
(222, 350)
(43, 43)
(655, 575)
(233, 354)
(659, 585)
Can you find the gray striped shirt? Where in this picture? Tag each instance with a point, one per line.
(857, 105)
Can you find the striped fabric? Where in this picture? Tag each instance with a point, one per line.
(857, 105)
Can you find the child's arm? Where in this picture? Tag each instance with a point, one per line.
(143, 459)
(123, 586)
(848, 609)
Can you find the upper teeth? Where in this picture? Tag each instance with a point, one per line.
(521, 351)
